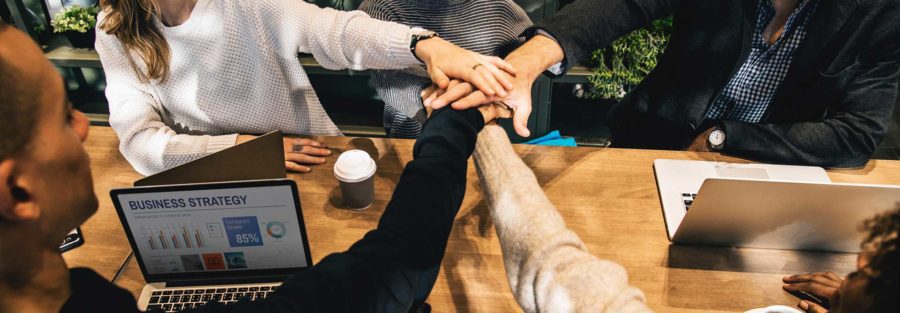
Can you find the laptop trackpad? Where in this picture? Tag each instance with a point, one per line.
(741, 172)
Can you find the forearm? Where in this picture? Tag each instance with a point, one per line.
(395, 266)
(517, 202)
(535, 56)
(847, 135)
(153, 149)
(339, 39)
(148, 144)
(833, 144)
(432, 186)
(547, 265)
(587, 25)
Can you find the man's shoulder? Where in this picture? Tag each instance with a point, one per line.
(887, 9)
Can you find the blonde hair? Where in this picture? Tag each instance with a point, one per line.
(133, 22)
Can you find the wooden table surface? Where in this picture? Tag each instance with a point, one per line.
(607, 196)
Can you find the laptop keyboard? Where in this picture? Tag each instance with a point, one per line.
(176, 299)
(688, 199)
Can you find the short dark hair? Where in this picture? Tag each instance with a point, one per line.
(18, 107)
(883, 269)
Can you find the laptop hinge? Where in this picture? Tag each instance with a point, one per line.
(226, 281)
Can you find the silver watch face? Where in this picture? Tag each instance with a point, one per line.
(717, 137)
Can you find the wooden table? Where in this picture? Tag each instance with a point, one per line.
(607, 196)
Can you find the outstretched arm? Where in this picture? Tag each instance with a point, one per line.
(339, 39)
(394, 267)
(548, 267)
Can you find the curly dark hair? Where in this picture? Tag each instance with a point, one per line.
(883, 269)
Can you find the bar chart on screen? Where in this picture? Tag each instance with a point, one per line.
(175, 236)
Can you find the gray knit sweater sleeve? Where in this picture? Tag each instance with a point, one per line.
(548, 266)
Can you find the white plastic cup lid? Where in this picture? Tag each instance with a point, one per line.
(354, 166)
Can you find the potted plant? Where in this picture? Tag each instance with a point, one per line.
(77, 24)
(623, 65)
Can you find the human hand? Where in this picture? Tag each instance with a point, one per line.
(823, 285)
(810, 307)
(301, 152)
(701, 142)
(490, 111)
(446, 61)
(495, 110)
(462, 96)
(298, 151)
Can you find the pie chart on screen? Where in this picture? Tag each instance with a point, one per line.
(275, 229)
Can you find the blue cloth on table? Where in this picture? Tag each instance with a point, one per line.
(553, 139)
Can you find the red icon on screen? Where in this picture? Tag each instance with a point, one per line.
(214, 261)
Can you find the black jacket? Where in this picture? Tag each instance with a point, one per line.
(832, 109)
(392, 269)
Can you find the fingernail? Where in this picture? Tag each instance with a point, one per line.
(803, 305)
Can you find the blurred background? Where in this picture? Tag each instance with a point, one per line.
(575, 104)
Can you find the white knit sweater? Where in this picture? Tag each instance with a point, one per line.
(234, 70)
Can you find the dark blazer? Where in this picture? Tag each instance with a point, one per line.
(832, 109)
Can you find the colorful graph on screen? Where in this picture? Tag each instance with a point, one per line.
(175, 236)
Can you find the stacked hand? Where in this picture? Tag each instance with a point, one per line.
(529, 61)
(446, 61)
(490, 111)
(463, 96)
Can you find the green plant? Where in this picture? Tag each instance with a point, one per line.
(75, 18)
(622, 65)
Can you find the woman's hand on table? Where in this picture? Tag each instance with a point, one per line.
(299, 153)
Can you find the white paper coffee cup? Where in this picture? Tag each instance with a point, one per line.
(355, 171)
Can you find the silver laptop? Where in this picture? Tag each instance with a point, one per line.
(765, 206)
(204, 242)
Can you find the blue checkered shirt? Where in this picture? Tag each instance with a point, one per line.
(751, 90)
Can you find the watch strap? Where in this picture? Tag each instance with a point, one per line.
(419, 34)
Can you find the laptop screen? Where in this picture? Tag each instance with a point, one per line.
(219, 228)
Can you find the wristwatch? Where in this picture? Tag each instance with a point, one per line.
(419, 34)
(716, 139)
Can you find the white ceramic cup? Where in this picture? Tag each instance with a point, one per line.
(355, 170)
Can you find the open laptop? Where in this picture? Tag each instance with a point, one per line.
(213, 241)
(765, 206)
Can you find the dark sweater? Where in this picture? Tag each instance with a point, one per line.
(391, 269)
(832, 109)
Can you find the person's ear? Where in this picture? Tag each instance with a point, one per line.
(16, 202)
